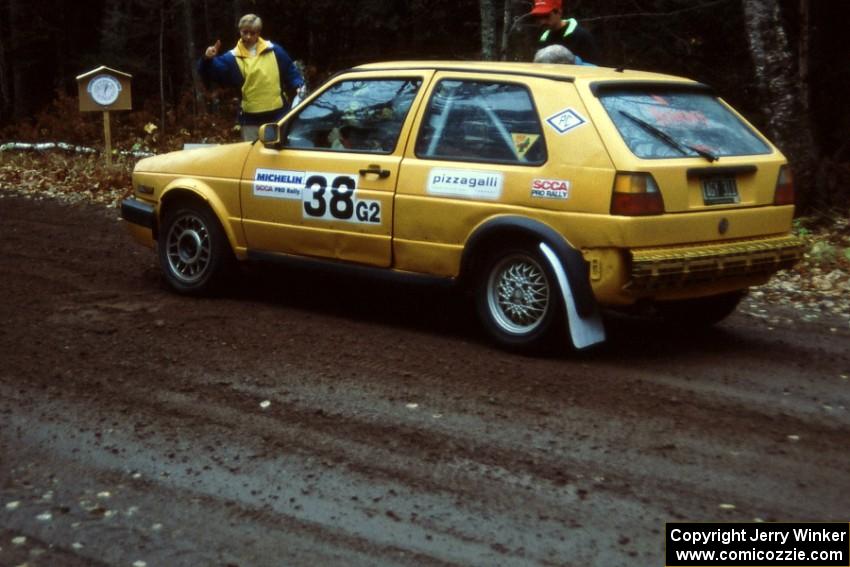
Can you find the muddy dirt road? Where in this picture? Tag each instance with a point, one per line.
(308, 420)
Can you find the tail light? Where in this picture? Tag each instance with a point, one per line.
(636, 194)
(784, 194)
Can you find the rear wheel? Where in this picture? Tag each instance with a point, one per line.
(517, 301)
(194, 252)
(700, 312)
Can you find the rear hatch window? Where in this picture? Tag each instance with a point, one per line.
(661, 122)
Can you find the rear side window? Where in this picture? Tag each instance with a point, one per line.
(481, 121)
(670, 124)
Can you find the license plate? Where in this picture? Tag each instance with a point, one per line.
(720, 191)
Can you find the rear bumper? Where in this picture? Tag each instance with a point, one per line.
(657, 269)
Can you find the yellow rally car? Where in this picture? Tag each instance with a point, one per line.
(550, 191)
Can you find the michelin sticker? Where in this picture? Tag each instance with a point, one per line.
(332, 197)
(465, 184)
(566, 120)
(550, 189)
(278, 183)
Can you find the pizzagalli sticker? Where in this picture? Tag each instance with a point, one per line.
(464, 183)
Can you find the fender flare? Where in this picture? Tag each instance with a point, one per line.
(575, 267)
(207, 195)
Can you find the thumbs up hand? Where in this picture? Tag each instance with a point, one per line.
(213, 50)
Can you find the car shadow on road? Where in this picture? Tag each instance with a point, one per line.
(449, 312)
(647, 338)
(442, 310)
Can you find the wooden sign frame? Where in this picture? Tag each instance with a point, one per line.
(106, 76)
(104, 90)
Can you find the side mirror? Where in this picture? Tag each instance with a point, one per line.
(270, 135)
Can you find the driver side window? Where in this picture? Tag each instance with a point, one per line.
(362, 116)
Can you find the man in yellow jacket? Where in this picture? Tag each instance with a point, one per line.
(262, 70)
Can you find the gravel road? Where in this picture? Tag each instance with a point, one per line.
(304, 419)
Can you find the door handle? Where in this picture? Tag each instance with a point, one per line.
(376, 170)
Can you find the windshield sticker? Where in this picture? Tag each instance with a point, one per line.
(550, 189)
(278, 183)
(523, 143)
(465, 184)
(566, 120)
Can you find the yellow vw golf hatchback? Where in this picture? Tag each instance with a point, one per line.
(548, 191)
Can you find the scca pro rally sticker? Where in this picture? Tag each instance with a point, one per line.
(331, 196)
(278, 183)
(550, 189)
(465, 184)
(566, 120)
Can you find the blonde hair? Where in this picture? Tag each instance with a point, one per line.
(252, 21)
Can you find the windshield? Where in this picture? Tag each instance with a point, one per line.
(691, 124)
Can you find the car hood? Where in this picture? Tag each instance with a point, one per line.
(213, 161)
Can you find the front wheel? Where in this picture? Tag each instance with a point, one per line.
(194, 252)
(517, 299)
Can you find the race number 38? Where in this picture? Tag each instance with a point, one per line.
(332, 197)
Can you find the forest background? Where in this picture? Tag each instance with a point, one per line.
(785, 64)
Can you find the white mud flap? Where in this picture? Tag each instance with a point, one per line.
(584, 332)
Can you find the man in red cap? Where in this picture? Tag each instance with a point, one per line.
(566, 32)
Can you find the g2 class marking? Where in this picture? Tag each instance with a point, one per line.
(331, 197)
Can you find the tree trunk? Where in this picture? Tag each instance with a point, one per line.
(507, 24)
(488, 29)
(162, 67)
(208, 33)
(5, 85)
(17, 21)
(237, 11)
(805, 45)
(192, 58)
(114, 27)
(788, 125)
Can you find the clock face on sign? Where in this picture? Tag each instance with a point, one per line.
(104, 89)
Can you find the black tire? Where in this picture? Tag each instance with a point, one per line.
(194, 253)
(701, 312)
(518, 300)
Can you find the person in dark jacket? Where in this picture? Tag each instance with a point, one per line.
(567, 32)
(264, 72)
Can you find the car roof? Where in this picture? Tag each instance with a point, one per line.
(572, 73)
